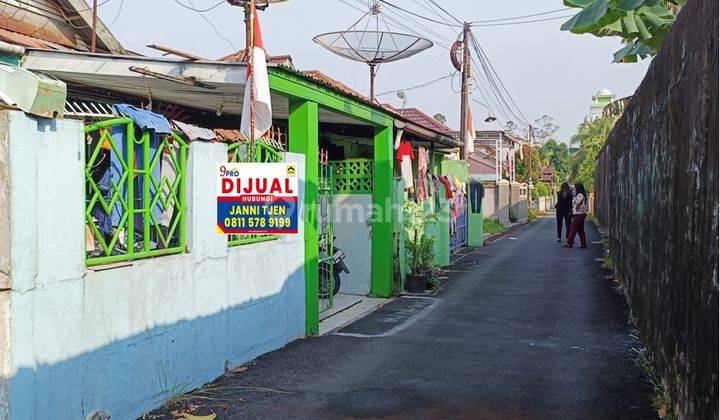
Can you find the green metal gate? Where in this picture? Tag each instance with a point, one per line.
(326, 236)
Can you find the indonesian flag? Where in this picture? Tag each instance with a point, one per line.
(469, 133)
(257, 89)
(507, 163)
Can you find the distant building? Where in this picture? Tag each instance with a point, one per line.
(600, 100)
(547, 174)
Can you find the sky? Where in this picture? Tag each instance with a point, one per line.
(547, 71)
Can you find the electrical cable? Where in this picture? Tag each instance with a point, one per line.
(117, 15)
(199, 10)
(416, 14)
(523, 22)
(477, 47)
(419, 86)
(209, 22)
(446, 12)
(521, 17)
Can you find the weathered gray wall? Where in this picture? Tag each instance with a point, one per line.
(657, 194)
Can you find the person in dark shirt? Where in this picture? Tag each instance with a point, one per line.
(563, 210)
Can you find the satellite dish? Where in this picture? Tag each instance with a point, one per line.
(372, 47)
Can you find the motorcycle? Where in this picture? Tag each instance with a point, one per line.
(324, 273)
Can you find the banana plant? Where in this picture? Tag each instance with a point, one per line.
(642, 24)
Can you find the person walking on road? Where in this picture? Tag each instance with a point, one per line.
(563, 210)
(579, 210)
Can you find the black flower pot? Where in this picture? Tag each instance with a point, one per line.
(416, 284)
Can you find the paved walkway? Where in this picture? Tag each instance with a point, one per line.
(524, 329)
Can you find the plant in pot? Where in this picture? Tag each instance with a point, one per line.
(513, 216)
(419, 246)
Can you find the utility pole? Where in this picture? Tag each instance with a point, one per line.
(93, 40)
(464, 92)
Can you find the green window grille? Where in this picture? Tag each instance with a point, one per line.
(353, 176)
(263, 153)
(135, 193)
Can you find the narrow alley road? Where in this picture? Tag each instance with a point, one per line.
(525, 329)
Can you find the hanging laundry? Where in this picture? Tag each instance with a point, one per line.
(405, 155)
(422, 171)
(157, 209)
(169, 171)
(194, 132)
(437, 191)
(477, 193)
(144, 119)
(448, 187)
(431, 190)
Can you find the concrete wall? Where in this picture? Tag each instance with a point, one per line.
(125, 338)
(489, 203)
(519, 200)
(351, 214)
(502, 200)
(657, 194)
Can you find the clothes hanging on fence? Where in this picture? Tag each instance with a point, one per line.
(157, 209)
(194, 132)
(405, 155)
(169, 171)
(144, 119)
(437, 191)
(423, 158)
(477, 193)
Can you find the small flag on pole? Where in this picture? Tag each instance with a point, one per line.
(469, 133)
(256, 103)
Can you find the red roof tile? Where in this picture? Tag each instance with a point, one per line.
(420, 118)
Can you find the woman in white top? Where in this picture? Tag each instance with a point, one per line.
(579, 210)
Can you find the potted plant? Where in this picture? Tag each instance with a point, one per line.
(419, 246)
(513, 216)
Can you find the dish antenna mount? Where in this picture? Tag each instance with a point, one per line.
(372, 47)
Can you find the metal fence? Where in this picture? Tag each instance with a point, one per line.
(135, 192)
(262, 152)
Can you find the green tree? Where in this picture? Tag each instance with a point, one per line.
(527, 164)
(557, 155)
(642, 24)
(545, 129)
(590, 138)
(442, 119)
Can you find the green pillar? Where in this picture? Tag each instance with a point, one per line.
(303, 138)
(382, 226)
(442, 258)
(475, 227)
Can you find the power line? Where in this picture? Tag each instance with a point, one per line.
(523, 22)
(446, 12)
(117, 15)
(479, 49)
(199, 10)
(418, 86)
(522, 16)
(208, 21)
(417, 14)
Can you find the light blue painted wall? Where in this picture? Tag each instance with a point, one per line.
(122, 338)
(351, 214)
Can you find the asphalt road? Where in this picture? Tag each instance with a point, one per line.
(523, 329)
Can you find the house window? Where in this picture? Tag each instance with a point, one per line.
(135, 204)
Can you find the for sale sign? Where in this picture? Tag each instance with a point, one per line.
(257, 198)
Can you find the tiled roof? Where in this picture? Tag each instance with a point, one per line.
(478, 165)
(54, 25)
(420, 118)
(324, 78)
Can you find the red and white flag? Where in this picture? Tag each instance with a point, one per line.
(469, 133)
(257, 89)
